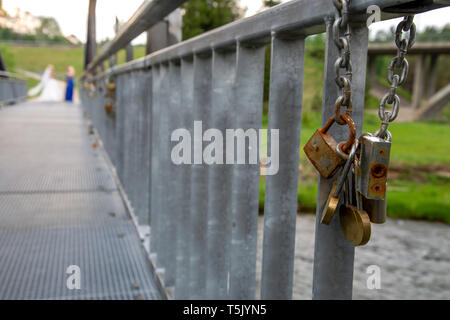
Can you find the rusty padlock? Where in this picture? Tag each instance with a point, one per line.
(109, 107)
(321, 148)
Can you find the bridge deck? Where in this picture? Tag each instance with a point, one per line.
(60, 206)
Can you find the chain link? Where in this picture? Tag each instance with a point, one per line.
(343, 62)
(405, 36)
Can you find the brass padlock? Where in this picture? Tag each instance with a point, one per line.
(355, 225)
(372, 170)
(111, 86)
(330, 206)
(109, 107)
(321, 148)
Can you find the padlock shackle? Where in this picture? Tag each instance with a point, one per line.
(351, 125)
(351, 138)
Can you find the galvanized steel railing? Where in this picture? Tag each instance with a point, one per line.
(12, 88)
(204, 219)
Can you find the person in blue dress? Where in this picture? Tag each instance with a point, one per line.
(70, 80)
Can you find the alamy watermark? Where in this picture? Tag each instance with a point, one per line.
(374, 278)
(234, 146)
(374, 13)
(73, 281)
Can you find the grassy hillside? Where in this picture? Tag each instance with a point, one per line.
(36, 59)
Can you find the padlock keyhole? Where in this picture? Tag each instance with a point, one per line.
(379, 171)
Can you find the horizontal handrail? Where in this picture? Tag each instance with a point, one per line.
(418, 48)
(295, 18)
(6, 74)
(148, 14)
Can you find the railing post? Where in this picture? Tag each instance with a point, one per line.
(155, 186)
(333, 254)
(91, 43)
(280, 211)
(184, 226)
(174, 190)
(122, 86)
(247, 114)
(166, 241)
(165, 33)
(138, 153)
(219, 179)
(199, 185)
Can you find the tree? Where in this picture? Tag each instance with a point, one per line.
(49, 28)
(270, 3)
(204, 15)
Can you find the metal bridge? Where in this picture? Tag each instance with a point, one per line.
(72, 195)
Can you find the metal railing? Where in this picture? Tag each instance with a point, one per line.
(204, 219)
(13, 88)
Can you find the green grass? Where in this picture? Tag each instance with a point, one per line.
(429, 200)
(426, 201)
(414, 143)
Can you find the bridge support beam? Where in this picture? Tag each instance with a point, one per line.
(432, 75)
(372, 69)
(418, 81)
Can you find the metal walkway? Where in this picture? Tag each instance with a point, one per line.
(60, 206)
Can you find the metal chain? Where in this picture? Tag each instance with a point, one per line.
(342, 42)
(398, 63)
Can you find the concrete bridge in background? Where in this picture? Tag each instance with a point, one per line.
(426, 102)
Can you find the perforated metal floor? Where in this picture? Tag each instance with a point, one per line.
(59, 206)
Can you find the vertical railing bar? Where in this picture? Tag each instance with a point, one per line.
(184, 228)
(141, 146)
(280, 211)
(247, 110)
(120, 122)
(167, 220)
(147, 124)
(174, 174)
(155, 207)
(199, 185)
(333, 254)
(219, 179)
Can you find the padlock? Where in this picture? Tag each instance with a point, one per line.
(376, 209)
(321, 148)
(108, 107)
(333, 199)
(330, 206)
(354, 220)
(355, 225)
(372, 170)
(111, 86)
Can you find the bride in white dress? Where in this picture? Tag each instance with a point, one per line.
(48, 86)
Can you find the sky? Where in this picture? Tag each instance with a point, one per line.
(72, 15)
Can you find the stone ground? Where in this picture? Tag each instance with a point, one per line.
(414, 258)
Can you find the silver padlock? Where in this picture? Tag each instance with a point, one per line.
(372, 170)
(376, 209)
